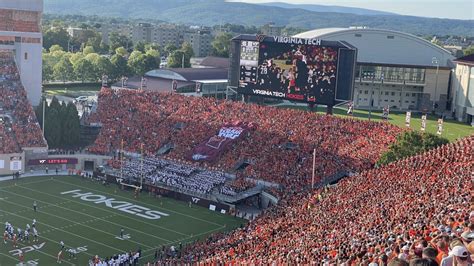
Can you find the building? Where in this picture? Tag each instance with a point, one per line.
(165, 34)
(271, 29)
(200, 40)
(142, 32)
(106, 29)
(75, 32)
(20, 31)
(463, 89)
(395, 69)
(205, 81)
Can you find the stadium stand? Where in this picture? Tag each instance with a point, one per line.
(150, 118)
(402, 211)
(179, 176)
(19, 127)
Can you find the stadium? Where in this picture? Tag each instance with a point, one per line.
(173, 179)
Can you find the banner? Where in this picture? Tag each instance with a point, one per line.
(53, 161)
(408, 119)
(440, 126)
(423, 123)
(211, 149)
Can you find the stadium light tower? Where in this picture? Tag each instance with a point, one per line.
(435, 61)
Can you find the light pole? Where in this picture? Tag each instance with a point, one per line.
(435, 61)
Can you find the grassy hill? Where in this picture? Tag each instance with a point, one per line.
(212, 12)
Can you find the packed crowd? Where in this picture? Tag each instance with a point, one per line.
(174, 174)
(18, 125)
(236, 186)
(150, 118)
(415, 210)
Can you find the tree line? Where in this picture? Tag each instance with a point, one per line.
(62, 125)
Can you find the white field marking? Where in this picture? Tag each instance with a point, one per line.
(37, 250)
(92, 206)
(99, 243)
(90, 221)
(181, 240)
(102, 209)
(27, 183)
(143, 203)
(9, 256)
(41, 207)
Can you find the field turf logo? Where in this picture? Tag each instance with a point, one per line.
(124, 206)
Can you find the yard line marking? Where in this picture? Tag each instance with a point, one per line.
(88, 239)
(143, 203)
(102, 209)
(82, 213)
(37, 250)
(9, 256)
(28, 183)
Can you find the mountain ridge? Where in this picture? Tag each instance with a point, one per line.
(213, 12)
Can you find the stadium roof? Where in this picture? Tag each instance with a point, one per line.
(216, 62)
(381, 46)
(189, 74)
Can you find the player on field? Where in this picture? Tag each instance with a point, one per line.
(5, 237)
(71, 253)
(26, 236)
(20, 234)
(62, 244)
(35, 206)
(121, 232)
(34, 223)
(14, 240)
(35, 235)
(21, 257)
(60, 256)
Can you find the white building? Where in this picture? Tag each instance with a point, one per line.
(463, 87)
(396, 69)
(20, 31)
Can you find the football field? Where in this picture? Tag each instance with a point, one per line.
(89, 217)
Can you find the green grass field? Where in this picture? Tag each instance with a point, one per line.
(452, 130)
(92, 227)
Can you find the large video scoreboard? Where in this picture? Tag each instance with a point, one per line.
(305, 70)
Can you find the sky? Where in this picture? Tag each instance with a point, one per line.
(454, 9)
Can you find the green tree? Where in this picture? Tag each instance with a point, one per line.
(84, 70)
(139, 46)
(71, 127)
(469, 50)
(221, 44)
(88, 50)
(47, 67)
(409, 144)
(53, 124)
(103, 66)
(187, 49)
(169, 48)
(63, 70)
(155, 55)
(55, 36)
(117, 40)
(55, 48)
(120, 67)
(175, 59)
(136, 63)
(121, 51)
